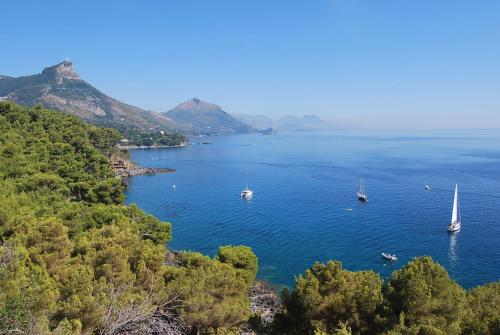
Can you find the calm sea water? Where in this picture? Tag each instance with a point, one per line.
(305, 209)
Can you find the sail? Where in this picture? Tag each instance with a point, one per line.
(362, 187)
(455, 217)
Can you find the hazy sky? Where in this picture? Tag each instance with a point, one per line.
(378, 63)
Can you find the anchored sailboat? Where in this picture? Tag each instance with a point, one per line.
(361, 193)
(456, 219)
(247, 192)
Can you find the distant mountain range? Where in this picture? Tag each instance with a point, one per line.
(198, 117)
(289, 122)
(59, 87)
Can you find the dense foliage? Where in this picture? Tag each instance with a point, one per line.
(327, 294)
(214, 290)
(418, 299)
(74, 259)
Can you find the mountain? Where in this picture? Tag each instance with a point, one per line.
(59, 87)
(289, 122)
(306, 122)
(199, 117)
(256, 121)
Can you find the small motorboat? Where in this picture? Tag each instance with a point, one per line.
(428, 188)
(390, 257)
(173, 187)
(246, 193)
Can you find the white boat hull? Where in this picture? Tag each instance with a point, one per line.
(453, 227)
(246, 194)
(361, 193)
(362, 197)
(390, 257)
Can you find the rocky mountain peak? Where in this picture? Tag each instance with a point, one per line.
(59, 87)
(62, 71)
(198, 105)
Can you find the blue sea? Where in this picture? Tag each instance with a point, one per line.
(304, 206)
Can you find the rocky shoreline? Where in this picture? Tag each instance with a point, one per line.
(124, 168)
(265, 304)
(264, 301)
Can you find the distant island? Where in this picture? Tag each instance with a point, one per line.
(269, 131)
(289, 122)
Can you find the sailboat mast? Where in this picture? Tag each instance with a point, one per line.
(455, 213)
(246, 176)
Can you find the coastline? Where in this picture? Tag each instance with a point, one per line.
(156, 146)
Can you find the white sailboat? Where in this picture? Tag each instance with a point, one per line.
(456, 219)
(247, 192)
(361, 193)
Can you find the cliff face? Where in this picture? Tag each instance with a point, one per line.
(59, 87)
(60, 72)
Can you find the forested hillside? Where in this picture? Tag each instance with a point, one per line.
(74, 259)
(418, 299)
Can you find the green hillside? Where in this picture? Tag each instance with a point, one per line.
(74, 259)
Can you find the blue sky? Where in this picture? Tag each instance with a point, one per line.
(378, 63)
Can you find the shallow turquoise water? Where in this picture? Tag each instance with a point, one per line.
(305, 182)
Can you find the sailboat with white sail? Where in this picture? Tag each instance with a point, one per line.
(361, 193)
(456, 219)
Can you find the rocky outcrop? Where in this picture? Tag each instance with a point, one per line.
(264, 303)
(124, 168)
(63, 71)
